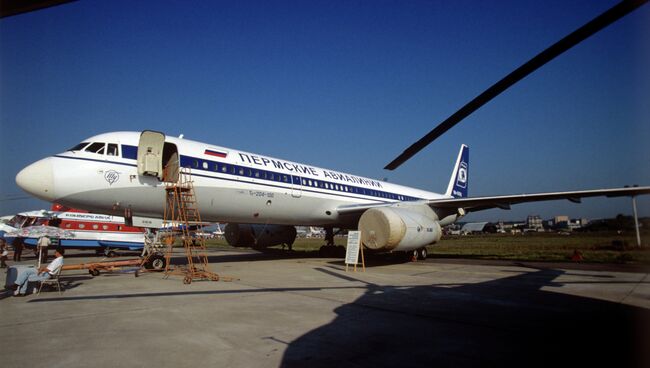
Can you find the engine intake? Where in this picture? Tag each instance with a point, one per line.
(398, 229)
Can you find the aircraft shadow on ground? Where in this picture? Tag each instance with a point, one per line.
(372, 260)
(516, 321)
(506, 322)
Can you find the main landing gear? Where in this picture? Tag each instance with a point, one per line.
(417, 254)
(329, 250)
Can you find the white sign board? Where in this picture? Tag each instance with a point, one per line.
(352, 251)
(147, 222)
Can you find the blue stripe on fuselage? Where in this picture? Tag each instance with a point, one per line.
(307, 184)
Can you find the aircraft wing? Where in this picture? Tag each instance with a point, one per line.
(473, 204)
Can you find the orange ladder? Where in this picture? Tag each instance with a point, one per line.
(182, 216)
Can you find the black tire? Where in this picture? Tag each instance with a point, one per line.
(324, 251)
(94, 272)
(422, 254)
(111, 254)
(340, 251)
(156, 262)
(412, 255)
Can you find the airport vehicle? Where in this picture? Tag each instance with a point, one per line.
(85, 230)
(124, 173)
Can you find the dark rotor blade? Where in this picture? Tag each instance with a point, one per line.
(579, 35)
(9, 8)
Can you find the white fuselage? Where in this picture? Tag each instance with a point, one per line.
(230, 185)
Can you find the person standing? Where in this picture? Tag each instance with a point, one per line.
(43, 243)
(3, 253)
(18, 248)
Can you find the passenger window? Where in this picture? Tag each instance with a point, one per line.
(111, 149)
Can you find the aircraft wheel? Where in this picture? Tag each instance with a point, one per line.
(94, 272)
(340, 251)
(158, 262)
(413, 255)
(111, 254)
(324, 251)
(187, 280)
(423, 254)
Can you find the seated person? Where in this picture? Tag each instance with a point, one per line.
(43, 273)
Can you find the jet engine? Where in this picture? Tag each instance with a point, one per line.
(398, 228)
(259, 236)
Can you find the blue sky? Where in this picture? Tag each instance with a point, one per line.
(345, 85)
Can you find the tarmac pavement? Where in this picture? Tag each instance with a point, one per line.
(286, 311)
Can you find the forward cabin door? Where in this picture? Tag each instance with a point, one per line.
(158, 158)
(150, 154)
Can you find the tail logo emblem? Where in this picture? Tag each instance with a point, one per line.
(461, 180)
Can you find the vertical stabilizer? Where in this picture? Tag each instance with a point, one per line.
(457, 187)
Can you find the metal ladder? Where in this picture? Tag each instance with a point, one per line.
(182, 217)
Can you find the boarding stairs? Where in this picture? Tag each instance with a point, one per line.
(182, 218)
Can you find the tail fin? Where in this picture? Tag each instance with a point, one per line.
(460, 176)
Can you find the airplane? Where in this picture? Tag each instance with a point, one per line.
(125, 173)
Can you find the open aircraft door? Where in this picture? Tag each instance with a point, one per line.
(157, 157)
(150, 150)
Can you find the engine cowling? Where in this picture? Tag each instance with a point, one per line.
(398, 229)
(259, 236)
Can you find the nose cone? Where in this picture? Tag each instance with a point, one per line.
(37, 179)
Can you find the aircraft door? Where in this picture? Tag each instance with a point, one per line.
(296, 186)
(150, 154)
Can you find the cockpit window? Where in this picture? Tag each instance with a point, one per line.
(79, 146)
(111, 149)
(96, 147)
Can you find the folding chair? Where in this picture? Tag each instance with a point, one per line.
(54, 280)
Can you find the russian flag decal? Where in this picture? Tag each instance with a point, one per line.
(216, 153)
